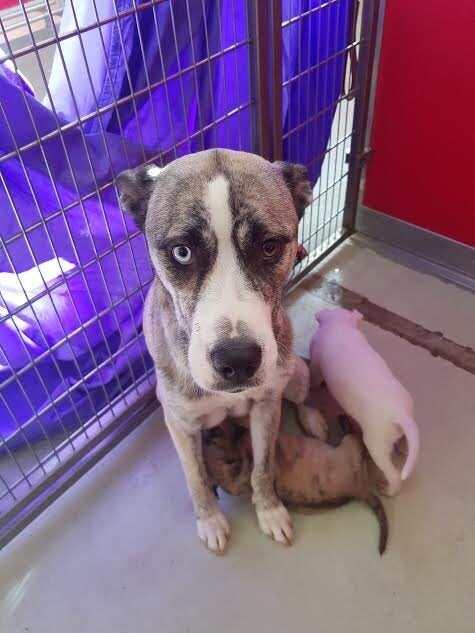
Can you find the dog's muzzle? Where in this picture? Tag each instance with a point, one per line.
(236, 361)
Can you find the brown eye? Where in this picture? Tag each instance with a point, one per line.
(271, 248)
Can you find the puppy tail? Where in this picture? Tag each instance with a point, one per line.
(412, 435)
(377, 507)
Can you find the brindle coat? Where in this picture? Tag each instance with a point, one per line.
(221, 229)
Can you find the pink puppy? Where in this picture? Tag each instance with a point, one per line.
(364, 386)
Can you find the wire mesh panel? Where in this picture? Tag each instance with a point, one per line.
(315, 60)
(318, 130)
(87, 90)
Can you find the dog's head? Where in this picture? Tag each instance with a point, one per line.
(221, 228)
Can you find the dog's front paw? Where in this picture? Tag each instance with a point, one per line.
(275, 522)
(214, 531)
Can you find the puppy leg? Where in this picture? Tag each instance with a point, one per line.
(274, 520)
(381, 455)
(212, 525)
(313, 422)
(298, 386)
(297, 389)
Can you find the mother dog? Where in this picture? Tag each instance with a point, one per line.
(221, 229)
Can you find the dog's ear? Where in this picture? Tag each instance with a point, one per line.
(135, 188)
(298, 183)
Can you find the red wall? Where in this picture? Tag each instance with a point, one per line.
(423, 165)
(6, 4)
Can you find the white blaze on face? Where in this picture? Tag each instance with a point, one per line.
(226, 295)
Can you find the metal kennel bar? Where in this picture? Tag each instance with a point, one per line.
(75, 376)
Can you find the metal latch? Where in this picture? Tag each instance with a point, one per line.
(361, 159)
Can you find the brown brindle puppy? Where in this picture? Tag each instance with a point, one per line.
(308, 472)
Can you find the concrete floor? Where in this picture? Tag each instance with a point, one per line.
(119, 552)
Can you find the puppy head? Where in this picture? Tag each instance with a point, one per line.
(339, 316)
(221, 228)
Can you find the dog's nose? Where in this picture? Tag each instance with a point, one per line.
(237, 360)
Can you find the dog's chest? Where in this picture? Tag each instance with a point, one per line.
(211, 411)
(234, 409)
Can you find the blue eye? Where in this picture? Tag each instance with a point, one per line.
(182, 254)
